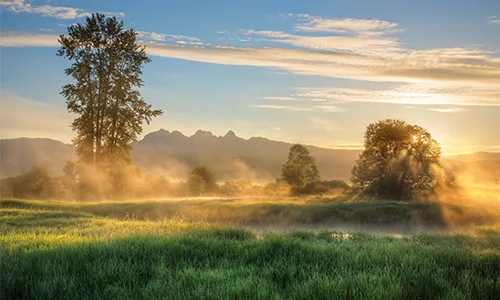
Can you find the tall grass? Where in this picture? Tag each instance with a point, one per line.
(52, 252)
(265, 211)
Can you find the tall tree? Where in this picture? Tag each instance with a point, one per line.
(400, 161)
(106, 67)
(300, 170)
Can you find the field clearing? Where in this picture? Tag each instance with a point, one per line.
(150, 250)
(284, 211)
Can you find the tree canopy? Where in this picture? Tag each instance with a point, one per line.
(400, 161)
(300, 170)
(106, 66)
(201, 180)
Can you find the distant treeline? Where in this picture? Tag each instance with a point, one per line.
(86, 183)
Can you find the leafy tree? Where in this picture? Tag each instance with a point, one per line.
(106, 66)
(201, 180)
(123, 180)
(70, 175)
(36, 184)
(195, 185)
(400, 161)
(300, 170)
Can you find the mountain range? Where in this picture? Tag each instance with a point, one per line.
(173, 154)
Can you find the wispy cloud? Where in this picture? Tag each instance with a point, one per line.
(364, 27)
(60, 12)
(355, 43)
(282, 107)
(279, 73)
(318, 108)
(443, 76)
(328, 108)
(278, 98)
(408, 94)
(26, 39)
(493, 20)
(447, 110)
(22, 39)
(168, 38)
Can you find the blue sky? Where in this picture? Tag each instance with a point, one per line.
(314, 72)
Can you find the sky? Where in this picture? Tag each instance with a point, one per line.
(311, 72)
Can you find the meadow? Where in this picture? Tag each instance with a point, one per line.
(248, 248)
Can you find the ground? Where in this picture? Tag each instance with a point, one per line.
(248, 248)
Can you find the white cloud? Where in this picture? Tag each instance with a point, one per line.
(279, 73)
(349, 25)
(443, 76)
(153, 36)
(165, 37)
(407, 94)
(60, 12)
(493, 20)
(354, 43)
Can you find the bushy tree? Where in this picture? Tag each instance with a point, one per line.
(106, 66)
(201, 180)
(35, 184)
(400, 161)
(124, 181)
(276, 188)
(300, 170)
(331, 186)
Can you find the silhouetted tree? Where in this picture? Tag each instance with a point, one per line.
(106, 66)
(330, 186)
(195, 185)
(400, 161)
(35, 184)
(300, 170)
(201, 180)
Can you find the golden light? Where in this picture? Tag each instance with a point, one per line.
(415, 138)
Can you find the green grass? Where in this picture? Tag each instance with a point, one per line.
(262, 211)
(63, 250)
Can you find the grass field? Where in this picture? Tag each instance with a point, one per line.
(197, 248)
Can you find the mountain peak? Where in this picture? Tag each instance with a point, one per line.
(203, 134)
(230, 134)
(177, 133)
(160, 133)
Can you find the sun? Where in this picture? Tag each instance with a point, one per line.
(415, 139)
